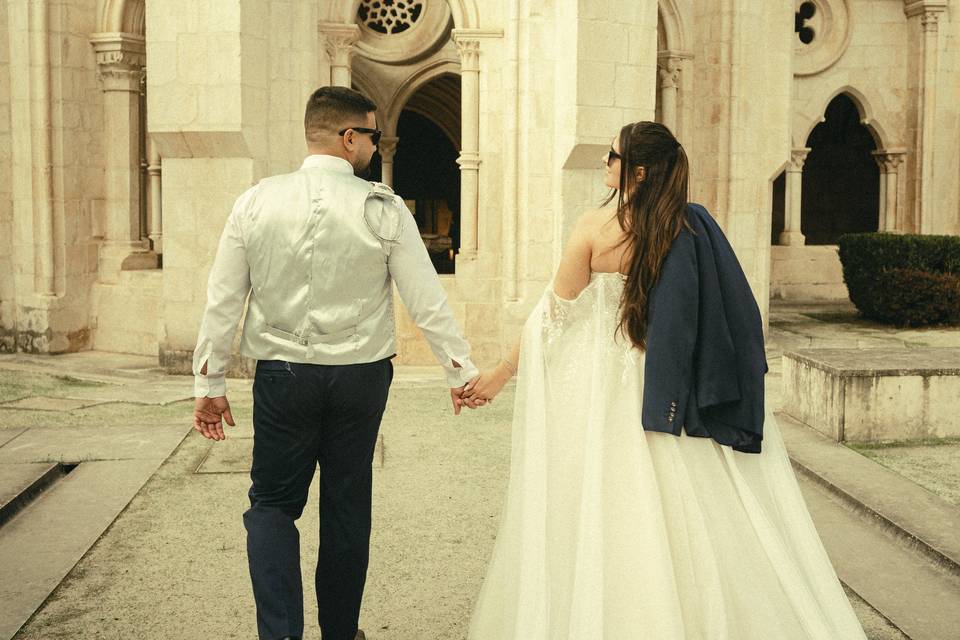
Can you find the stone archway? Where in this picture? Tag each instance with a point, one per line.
(841, 180)
(425, 171)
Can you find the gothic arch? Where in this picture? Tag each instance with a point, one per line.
(867, 118)
(368, 88)
(671, 19)
(465, 12)
(413, 84)
(121, 16)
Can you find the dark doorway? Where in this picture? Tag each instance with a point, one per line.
(841, 180)
(426, 175)
(779, 207)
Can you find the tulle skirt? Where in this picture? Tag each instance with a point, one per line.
(611, 532)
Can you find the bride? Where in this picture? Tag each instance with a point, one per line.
(650, 494)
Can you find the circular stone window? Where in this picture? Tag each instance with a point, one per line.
(821, 34)
(401, 31)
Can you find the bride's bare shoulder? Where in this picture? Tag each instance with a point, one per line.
(595, 220)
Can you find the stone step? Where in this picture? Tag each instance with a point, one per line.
(40, 546)
(22, 483)
(918, 519)
(917, 597)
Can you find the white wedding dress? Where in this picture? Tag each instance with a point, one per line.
(613, 533)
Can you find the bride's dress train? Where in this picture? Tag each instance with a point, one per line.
(613, 533)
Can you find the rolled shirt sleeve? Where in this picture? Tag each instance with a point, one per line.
(426, 301)
(227, 290)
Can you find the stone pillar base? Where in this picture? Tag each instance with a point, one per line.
(792, 239)
(117, 255)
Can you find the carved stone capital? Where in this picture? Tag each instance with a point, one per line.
(929, 21)
(120, 78)
(339, 40)
(669, 75)
(388, 148)
(469, 49)
(889, 159)
(798, 157)
(121, 58)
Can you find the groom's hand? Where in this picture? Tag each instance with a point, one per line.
(209, 415)
(459, 401)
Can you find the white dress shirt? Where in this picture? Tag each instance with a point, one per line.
(317, 251)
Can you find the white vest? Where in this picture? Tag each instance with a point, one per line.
(317, 244)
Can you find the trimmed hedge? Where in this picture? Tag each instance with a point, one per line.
(905, 280)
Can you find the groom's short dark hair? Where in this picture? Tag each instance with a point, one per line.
(330, 109)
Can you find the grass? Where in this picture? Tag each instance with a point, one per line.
(16, 385)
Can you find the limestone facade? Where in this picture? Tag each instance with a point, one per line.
(127, 129)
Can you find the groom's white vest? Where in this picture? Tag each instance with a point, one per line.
(317, 252)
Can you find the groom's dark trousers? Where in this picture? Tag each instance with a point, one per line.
(305, 415)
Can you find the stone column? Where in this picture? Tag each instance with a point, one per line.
(120, 61)
(889, 161)
(928, 11)
(387, 148)
(338, 42)
(156, 216)
(879, 158)
(469, 159)
(669, 73)
(791, 234)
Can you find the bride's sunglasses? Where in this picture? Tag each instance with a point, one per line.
(375, 134)
(612, 155)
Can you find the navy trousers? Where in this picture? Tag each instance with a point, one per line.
(304, 416)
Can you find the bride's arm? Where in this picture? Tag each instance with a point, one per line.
(572, 276)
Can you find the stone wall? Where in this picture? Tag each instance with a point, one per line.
(7, 291)
(739, 143)
(226, 109)
(54, 252)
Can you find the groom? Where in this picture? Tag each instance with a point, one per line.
(318, 251)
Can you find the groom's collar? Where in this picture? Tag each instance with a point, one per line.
(330, 163)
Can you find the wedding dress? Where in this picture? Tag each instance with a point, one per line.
(610, 532)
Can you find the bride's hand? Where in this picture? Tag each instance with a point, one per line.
(488, 384)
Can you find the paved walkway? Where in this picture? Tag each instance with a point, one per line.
(169, 562)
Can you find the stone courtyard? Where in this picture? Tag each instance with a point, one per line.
(143, 537)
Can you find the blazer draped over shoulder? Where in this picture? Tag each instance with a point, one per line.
(705, 359)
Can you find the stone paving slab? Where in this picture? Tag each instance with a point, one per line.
(7, 435)
(43, 542)
(153, 394)
(75, 444)
(233, 455)
(15, 478)
(44, 403)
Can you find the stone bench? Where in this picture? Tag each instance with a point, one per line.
(866, 395)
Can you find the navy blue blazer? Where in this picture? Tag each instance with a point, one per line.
(705, 359)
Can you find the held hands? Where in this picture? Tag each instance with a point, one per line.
(487, 385)
(209, 415)
(456, 396)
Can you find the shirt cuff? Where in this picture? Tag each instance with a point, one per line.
(456, 378)
(209, 386)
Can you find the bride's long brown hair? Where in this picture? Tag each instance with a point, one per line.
(651, 213)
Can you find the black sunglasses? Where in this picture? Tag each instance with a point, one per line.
(612, 155)
(375, 134)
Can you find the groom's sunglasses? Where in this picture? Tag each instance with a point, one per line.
(375, 134)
